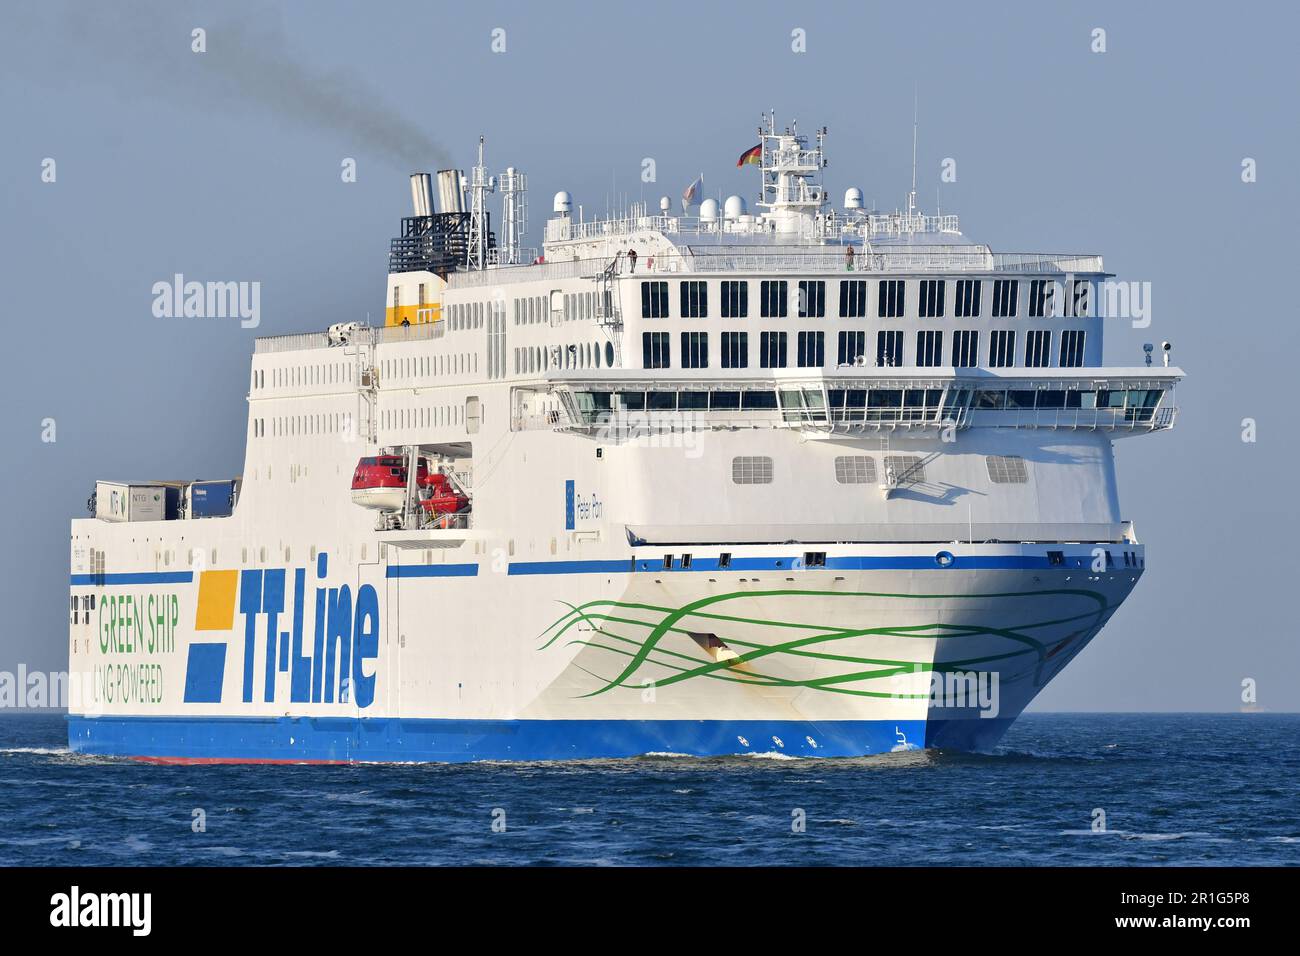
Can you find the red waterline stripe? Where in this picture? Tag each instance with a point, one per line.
(197, 761)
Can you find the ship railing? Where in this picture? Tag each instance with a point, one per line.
(420, 520)
(626, 426)
(506, 275)
(291, 343)
(618, 425)
(825, 260)
(939, 259)
(410, 333)
(1107, 419)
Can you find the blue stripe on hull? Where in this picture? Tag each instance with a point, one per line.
(397, 740)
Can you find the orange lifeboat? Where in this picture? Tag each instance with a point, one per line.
(442, 500)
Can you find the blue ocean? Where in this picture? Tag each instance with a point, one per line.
(1063, 789)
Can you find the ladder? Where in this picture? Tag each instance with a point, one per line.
(367, 383)
(608, 313)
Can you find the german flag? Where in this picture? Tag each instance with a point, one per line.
(751, 157)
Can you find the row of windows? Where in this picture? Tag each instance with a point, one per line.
(526, 311)
(533, 359)
(297, 376)
(426, 416)
(861, 469)
(458, 363)
(851, 349)
(342, 423)
(338, 423)
(1045, 297)
(535, 309)
(467, 315)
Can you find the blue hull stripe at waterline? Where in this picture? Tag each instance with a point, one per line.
(333, 739)
(910, 562)
(904, 562)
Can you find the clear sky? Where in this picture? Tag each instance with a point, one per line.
(226, 166)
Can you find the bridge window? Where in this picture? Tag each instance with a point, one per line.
(855, 470)
(965, 349)
(812, 299)
(1002, 349)
(773, 299)
(735, 300)
(654, 300)
(853, 298)
(968, 298)
(735, 349)
(890, 299)
(654, 350)
(889, 348)
(751, 470)
(695, 350)
(1038, 348)
(931, 304)
(772, 350)
(852, 348)
(812, 349)
(1077, 307)
(1007, 469)
(1041, 298)
(929, 348)
(695, 300)
(1006, 294)
(1072, 348)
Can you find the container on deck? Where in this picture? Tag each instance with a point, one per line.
(211, 499)
(130, 501)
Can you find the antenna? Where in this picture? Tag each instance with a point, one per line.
(480, 185)
(911, 197)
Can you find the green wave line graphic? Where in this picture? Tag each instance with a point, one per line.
(599, 616)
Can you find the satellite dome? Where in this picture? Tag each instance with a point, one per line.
(853, 198)
(709, 210)
(733, 208)
(563, 203)
(665, 204)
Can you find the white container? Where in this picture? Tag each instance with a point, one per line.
(129, 501)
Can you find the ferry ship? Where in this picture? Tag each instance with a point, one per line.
(711, 482)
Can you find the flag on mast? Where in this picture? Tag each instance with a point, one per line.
(693, 190)
(751, 157)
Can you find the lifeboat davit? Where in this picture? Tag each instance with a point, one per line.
(442, 498)
(380, 482)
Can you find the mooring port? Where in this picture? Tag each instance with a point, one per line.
(714, 646)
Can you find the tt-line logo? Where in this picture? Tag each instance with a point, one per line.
(75, 908)
(327, 657)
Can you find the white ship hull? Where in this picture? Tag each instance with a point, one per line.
(480, 656)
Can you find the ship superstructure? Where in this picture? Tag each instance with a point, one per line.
(803, 479)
